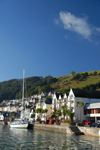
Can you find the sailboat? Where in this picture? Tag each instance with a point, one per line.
(20, 123)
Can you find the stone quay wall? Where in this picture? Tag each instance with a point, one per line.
(2, 122)
(54, 128)
(90, 131)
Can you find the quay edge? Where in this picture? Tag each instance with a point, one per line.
(72, 130)
(2, 122)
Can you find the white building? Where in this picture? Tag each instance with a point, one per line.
(58, 100)
(47, 104)
(91, 100)
(1, 117)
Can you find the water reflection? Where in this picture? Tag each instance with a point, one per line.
(23, 139)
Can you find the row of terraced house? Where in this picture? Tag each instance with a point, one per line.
(90, 110)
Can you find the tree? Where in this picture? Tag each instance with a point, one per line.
(95, 73)
(39, 110)
(65, 110)
(81, 105)
(39, 90)
(45, 110)
(32, 115)
(63, 107)
(12, 116)
(73, 73)
(57, 113)
(71, 115)
(77, 104)
(63, 91)
(82, 77)
(55, 110)
(46, 88)
(86, 74)
(76, 76)
(91, 74)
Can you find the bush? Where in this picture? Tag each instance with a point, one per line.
(71, 121)
(32, 115)
(73, 73)
(95, 73)
(91, 74)
(86, 74)
(64, 91)
(65, 121)
(76, 76)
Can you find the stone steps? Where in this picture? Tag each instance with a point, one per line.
(75, 130)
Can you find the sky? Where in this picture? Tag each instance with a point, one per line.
(48, 37)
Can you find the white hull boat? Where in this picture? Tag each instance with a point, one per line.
(20, 123)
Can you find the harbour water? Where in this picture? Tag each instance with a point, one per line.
(24, 139)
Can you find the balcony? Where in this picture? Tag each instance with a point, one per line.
(93, 115)
(70, 105)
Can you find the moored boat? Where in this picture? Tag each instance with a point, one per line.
(20, 123)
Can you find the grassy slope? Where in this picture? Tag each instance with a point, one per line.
(65, 83)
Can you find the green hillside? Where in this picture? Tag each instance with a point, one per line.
(35, 85)
(66, 82)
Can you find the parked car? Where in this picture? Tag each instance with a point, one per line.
(98, 122)
(87, 122)
(95, 125)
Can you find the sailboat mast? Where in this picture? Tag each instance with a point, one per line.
(23, 91)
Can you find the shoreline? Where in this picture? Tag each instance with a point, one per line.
(66, 129)
(72, 130)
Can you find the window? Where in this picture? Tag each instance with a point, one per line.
(71, 98)
(99, 110)
(71, 104)
(92, 111)
(39, 104)
(43, 104)
(71, 110)
(84, 111)
(87, 112)
(43, 116)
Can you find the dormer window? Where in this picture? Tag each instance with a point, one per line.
(71, 98)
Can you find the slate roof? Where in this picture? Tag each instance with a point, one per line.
(57, 95)
(48, 101)
(86, 93)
